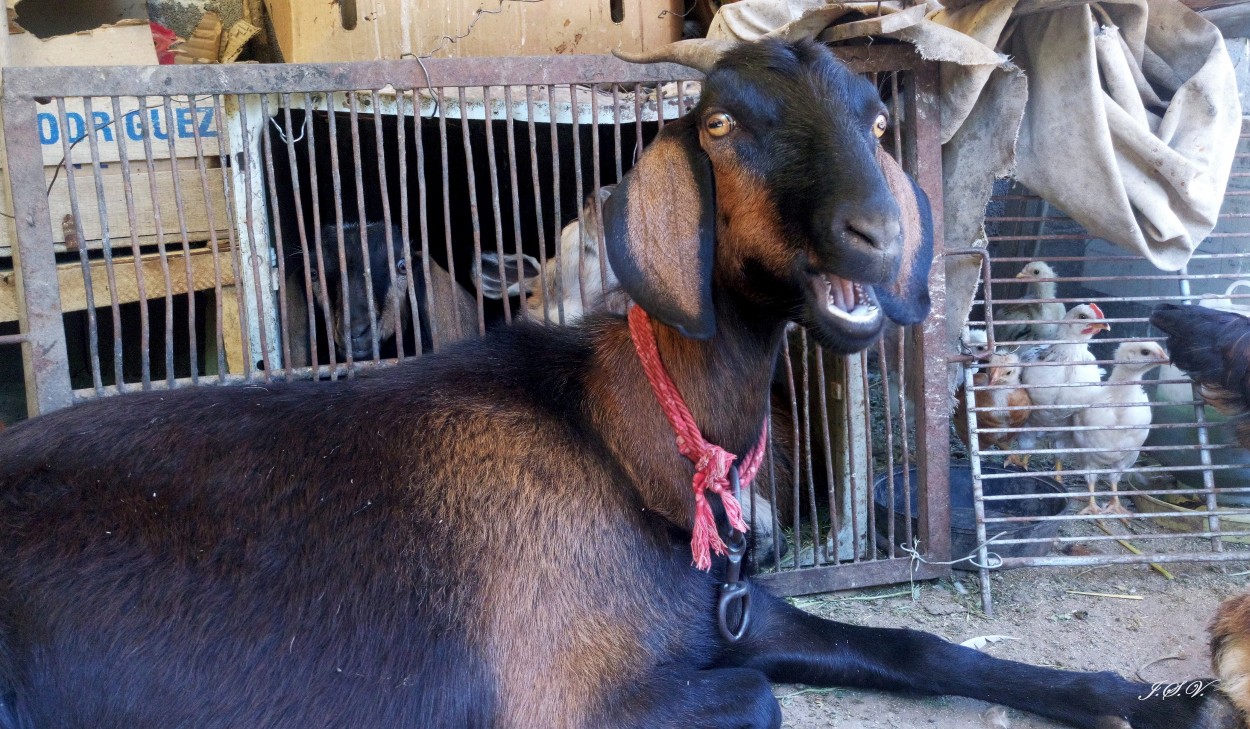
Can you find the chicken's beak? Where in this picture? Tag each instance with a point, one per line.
(1023, 274)
(1095, 327)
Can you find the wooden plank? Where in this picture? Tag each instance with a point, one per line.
(74, 289)
(198, 228)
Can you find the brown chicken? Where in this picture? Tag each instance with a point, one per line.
(1003, 370)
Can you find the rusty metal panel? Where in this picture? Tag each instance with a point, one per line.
(44, 354)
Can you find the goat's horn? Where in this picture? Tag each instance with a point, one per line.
(697, 53)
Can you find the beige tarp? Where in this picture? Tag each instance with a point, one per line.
(1124, 115)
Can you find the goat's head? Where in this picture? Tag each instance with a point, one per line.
(779, 165)
(329, 282)
(570, 284)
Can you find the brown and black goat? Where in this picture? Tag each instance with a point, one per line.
(499, 535)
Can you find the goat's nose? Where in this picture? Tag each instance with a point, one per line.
(879, 229)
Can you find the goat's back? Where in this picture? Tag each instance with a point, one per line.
(342, 554)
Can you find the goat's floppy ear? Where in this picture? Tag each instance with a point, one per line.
(516, 267)
(906, 299)
(660, 231)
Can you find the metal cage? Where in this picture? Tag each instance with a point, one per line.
(1187, 491)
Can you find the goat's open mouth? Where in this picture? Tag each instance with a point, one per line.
(846, 311)
(853, 303)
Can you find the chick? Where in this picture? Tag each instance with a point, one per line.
(1121, 402)
(1055, 368)
(1003, 371)
(1011, 320)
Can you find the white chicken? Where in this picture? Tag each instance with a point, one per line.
(1126, 405)
(1011, 320)
(1050, 377)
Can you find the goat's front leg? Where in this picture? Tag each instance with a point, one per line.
(789, 645)
(679, 698)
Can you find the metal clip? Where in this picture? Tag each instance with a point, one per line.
(734, 588)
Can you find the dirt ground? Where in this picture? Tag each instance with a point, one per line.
(1161, 637)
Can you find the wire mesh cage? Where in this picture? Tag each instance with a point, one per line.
(252, 224)
(1075, 389)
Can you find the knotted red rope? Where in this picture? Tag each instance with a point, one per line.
(711, 461)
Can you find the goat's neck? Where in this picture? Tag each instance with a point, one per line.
(723, 380)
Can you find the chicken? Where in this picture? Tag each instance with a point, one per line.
(1003, 370)
(1011, 319)
(1127, 405)
(1213, 348)
(1068, 362)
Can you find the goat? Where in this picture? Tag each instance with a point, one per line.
(365, 298)
(572, 283)
(500, 534)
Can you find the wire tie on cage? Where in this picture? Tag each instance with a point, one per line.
(282, 133)
(992, 560)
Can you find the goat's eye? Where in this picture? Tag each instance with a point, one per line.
(719, 124)
(401, 267)
(879, 126)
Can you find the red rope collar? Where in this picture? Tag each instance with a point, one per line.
(711, 461)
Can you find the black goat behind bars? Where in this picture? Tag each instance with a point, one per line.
(498, 535)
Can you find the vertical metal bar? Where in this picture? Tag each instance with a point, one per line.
(823, 388)
(228, 144)
(132, 220)
(538, 202)
(924, 150)
(580, 193)
(106, 248)
(796, 454)
(44, 353)
(978, 494)
(492, 167)
(1204, 442)
(254, 239)
(322, 290)
(214, 243)
(805, 448)
(637, 125)
(616, 128)
(336, 183)
(401, 141)
(180, 206)
(869, 479)
(306, 254)
(443, 145)
(160, 236)
(889, 443)
(392, 294)
(902, 429)
(362, 229)
(284, 319)
(93, 330)
(557, 221)
(474, 210)
(422, 212)
(516, 198)
(597, 180)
